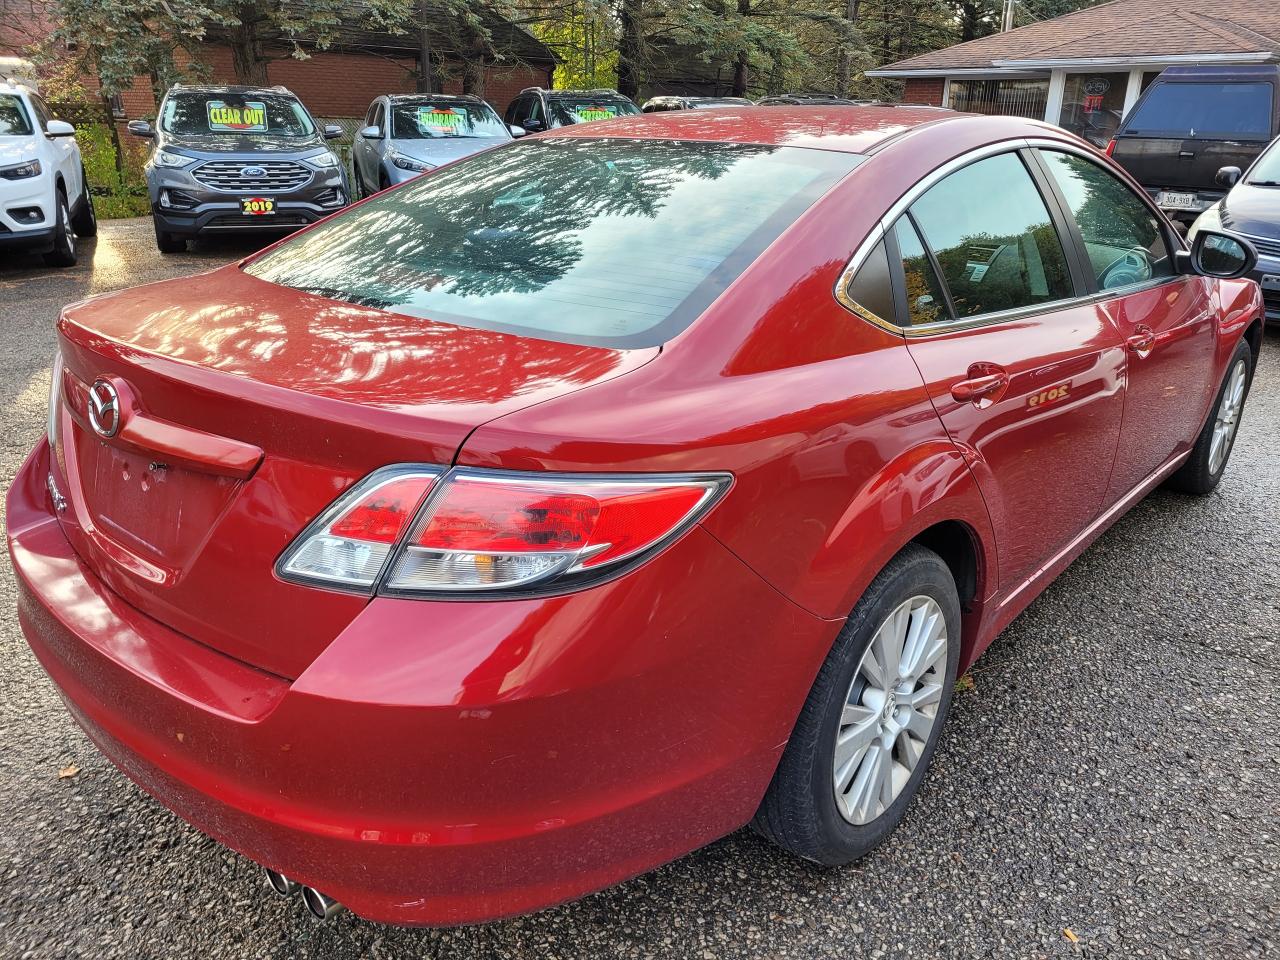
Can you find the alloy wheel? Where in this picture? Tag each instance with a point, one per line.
(890, 710)
(1227, 417)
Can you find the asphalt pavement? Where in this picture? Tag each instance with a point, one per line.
(1108, 786)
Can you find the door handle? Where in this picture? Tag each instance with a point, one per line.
(1141, 341)
(990, 386)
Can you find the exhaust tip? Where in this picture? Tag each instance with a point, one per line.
(321, 905)
(281, 884)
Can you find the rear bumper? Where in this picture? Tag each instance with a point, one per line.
(444, 763)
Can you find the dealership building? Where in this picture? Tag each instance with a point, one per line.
(1085, 70)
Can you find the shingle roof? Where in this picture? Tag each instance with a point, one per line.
(1121, 28)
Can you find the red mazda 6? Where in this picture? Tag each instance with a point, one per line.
(543, 519)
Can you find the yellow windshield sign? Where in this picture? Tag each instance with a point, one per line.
(440, 120)
(248, 116)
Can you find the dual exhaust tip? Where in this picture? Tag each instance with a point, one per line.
(319, 905)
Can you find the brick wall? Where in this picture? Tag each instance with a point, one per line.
(923, 90)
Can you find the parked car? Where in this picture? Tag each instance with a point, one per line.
(663, 104)
(45, 201)
(538, 109)
(236, 159)
(808, 100)
(405, 135)
(1252, 210)
(552, 515)
(1192, 121)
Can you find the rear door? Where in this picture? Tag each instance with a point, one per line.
(1026, 376)
(1166, 320)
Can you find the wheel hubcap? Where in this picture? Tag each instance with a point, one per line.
(1227, 417)
(890, 710)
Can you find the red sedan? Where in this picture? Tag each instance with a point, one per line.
(545, 518)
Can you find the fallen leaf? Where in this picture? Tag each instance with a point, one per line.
(964, 683)
(70, 770)
(181, 736)
(1070, 934)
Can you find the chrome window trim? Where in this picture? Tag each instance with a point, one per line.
(903, 203)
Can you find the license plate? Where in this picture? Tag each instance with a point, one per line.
(257, 206)
(1177, 201)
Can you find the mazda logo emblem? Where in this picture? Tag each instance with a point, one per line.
(252, 172)
(104, 408)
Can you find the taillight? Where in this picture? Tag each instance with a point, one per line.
(484, 530)
(350, 543)
(1111, 148)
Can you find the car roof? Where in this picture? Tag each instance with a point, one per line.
(229, 88)
(1239, 71)
(411, 97)
(848, 129)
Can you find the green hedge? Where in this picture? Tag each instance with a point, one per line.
(114, 194)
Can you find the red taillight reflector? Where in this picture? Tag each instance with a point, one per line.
(381, 515)
(631, 521)
(1111, 148)
(484, 516)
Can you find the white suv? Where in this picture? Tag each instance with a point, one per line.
(44, 199)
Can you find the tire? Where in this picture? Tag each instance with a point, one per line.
(167, 242)
(1208, 461)
(85, 220)
(383, 181)
(357, 183)
(800, 811)
(63, 253)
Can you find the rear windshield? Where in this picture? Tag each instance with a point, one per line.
(428, 120)
(1212, 111)
(584, 110)
(194, 114)
(614, 242)
(14, 121)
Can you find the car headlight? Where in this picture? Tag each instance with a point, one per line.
(1211, 219)
(408, 163)
(163, 158)
(322, 161)
(21, 171)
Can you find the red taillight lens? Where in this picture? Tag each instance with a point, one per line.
(1111, 148)
(476, 530)
(487, 531)
(351, 541)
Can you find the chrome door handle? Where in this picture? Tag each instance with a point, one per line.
(1141, 341)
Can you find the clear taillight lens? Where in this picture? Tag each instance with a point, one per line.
(495, 531)
(55, 400)
(350, 543)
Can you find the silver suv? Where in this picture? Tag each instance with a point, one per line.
(407, 134)
(238, 158)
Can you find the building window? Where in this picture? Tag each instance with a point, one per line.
(117, 105)
(1013, 98)
(1093, 105)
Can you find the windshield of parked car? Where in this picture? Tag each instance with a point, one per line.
(1205, 110)
(192, 114)
(436, 120)
(14, 121)
(1266, 171)
(584, 110)
(612, 242)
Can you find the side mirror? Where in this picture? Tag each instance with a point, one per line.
(332, 131)
(371, 132)
(533, 126)
(59, 128)
(1227, 176)
(140, 128)
(516, 131)
(1222, 255)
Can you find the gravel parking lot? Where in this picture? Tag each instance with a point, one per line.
(1107, 785)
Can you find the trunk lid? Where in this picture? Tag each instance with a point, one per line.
(243, 409)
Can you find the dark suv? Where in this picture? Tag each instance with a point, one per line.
(1191, 122)
(238, 158)
(537, 109)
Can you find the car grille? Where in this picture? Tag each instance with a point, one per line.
(1268, 248)
(277, 175)
(265, 223)
(1271, 302)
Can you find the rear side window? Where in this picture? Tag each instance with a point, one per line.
(612, 242)
(994, 240)
(1221, 111)
(870, 292)
(1121, 235)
